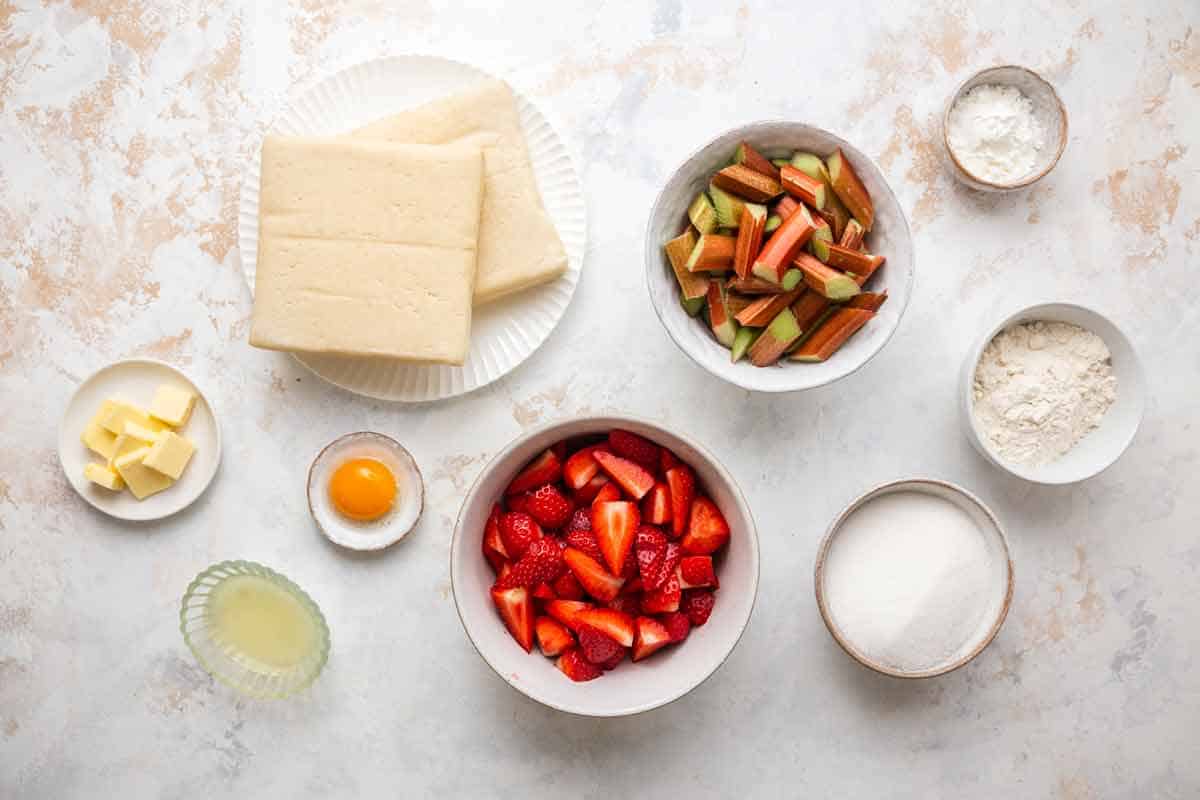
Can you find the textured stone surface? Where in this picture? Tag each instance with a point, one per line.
(123, 127)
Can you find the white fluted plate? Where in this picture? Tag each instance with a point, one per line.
(503, 333)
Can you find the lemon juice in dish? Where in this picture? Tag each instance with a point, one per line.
(262, 622)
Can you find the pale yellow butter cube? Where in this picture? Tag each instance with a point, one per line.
(95, 437)
(101, 475)
(172, 405)
(169, 454)
(133, 437)
(121, 412)
(142, 480)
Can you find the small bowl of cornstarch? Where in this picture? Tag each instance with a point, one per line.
(1004, 128)
(1052, 394)
(914, 579)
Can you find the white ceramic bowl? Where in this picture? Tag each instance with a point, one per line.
(1100, 448)
(889, 237)
(632, 687)
(1047, 107)
(1000, 586)
(135, 380)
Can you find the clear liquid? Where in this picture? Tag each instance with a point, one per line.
(262, 622)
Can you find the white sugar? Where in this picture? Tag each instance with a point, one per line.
(912, 581)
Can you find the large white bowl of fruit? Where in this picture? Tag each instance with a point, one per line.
(778, 258)
(604, 565)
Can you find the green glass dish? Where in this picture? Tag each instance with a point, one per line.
(225, 662)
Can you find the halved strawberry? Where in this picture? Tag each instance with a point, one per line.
(663, 599)
(559, 449)
(580, 468)
(597, 646)
(635, 448)
(544, 591)
(666, 568)
(613, 662)
(594, 579)
(650, 636)
(608, 493)
(587, 493)
(581, 520)
(650, 547)
(493, 545)
(616, 624)
(517, 531)
(546, 468)
(548, 506)
(682, 482)
(707, 529)
(629, 604)
(698, 605)
(518, 502)
(615, 525)
(677, 624)
(632, 586)
(656, 505)
(567, 611)
(635, 479)
(567, 587)
(542, 563)
(696, 571)
(516, 609)
(552, 636)
(572, 664)
(667, 460)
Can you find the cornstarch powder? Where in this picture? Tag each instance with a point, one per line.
(994, 133)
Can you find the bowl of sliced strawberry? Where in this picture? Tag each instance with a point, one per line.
(604, 565)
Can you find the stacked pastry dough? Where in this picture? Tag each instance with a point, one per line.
(378, 243)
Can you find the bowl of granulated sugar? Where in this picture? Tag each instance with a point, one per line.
(914, 579)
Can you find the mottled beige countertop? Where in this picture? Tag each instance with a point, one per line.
(124, 128)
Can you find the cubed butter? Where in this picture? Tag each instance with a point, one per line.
(367, 248)
(169, 454)
(142, 480)
(121, 412)
(101, 475)
(133, 437)
(172, 405)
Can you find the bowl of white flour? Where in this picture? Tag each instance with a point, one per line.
(1004, 129)
(914, 578)
(1052, 394)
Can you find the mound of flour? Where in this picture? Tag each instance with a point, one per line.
(1040, 387)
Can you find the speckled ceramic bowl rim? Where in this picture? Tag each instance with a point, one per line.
(966, 397)
(652, 251)
(289, 585)
(383, 543)
(835, 526)
(612, 419)
(1063, 128)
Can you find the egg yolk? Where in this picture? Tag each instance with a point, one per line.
(362, 489)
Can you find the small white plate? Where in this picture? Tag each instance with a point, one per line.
(135, 380)
(503, 333)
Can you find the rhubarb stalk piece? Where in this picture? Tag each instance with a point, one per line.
(695, 305)
(834, 211)
(760, 313)
(728, 207)
(848, 260)
(749, 238)
(723, 326)
(787, 206)
(747, 156)
(679, 251)
(821, 239)
(775, 339)
(791, 279)
(870, 301)
(702, 214)
(876, 262)
(781, 249)
(828, 282)
(803, 186)
(809, 310)
(712, 253)
(753, 285)
(852, 237)
(833, 333)
(737, 303)
(850, 189)
(740, 180)
(742, 341)
(773, 222)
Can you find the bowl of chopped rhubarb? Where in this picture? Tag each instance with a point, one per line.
(778, 258)
(604, 565)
